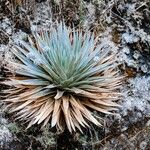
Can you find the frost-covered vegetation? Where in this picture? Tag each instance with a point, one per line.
(123, 26)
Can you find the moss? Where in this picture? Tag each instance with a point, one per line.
(13, 127)
(47, 139)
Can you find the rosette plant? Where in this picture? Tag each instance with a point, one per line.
(61, 78)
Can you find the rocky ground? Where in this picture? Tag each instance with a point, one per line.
(121, 25)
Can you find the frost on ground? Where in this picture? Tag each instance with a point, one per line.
(135, 105)
(130, 129)
(137, 96)
(123, 26)
(6, 137)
